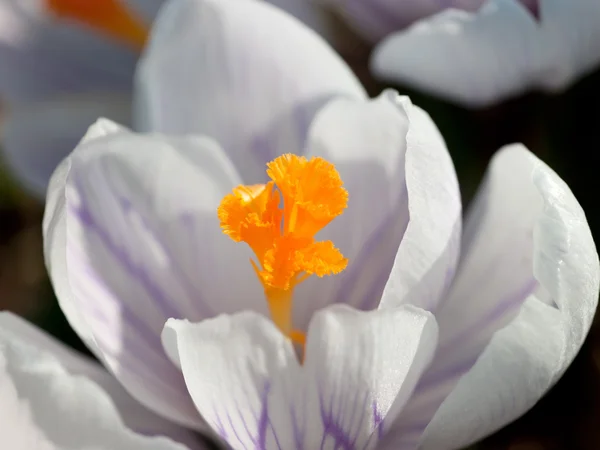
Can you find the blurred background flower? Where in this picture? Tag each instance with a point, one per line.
(478, 56)
(64, 63)
(61, 68)
(472, 52)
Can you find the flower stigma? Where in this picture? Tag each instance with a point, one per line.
(110, 17)
(279, 221)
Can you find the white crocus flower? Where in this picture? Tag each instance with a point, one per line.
(501, 50)
(429, 336)
(63, 64)
(472, 52)
(52, 399)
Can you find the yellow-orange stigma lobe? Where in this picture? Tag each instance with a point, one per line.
(111, 17)
(283, 239)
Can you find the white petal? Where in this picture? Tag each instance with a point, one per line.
(526, 237)
(54, 229)
(366, 141)
(132, 239)
(398, 173)
(36, 137)
(242, 72)
(133, 414)
(43, 404)
(359, 368)
(42, 56)
(428, 254)
(498, 52)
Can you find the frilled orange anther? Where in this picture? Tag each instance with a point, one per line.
(279, 221)
(111, 17)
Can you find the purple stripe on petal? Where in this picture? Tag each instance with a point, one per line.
(389, 232)
(166, 305)
(174, 263)
(264, 422)
(503, 307)
(219, 427)
(449, 373)
(336, 431)
(143, 329)
(235, 429)
(377, 420)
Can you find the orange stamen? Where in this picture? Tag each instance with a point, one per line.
(316, 191)
(283, 239)
(111, 17)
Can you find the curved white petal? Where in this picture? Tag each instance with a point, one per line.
(500, 51)
(366, 141)
(398, 174)
(36, 137)
(46, 407)
(359, 370)
(132, 239)
(54, 231)
(41, 56)
(528, 252)
(133, 414)
(242, 72)
(426, 260)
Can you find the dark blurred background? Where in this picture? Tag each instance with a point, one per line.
(563, 130)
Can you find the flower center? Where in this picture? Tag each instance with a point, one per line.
(111, 17)
(279, 221)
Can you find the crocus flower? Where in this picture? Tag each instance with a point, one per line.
(283, 259)
(53, 399)
(64, 63)
(475, 52)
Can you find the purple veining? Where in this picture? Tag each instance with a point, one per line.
(332, 428)
(218, 426)
(234, 428)
(146, 333)
(166, 305)
(377, 420)
(264, 422)
(335, 431)
(174, 264)
(455, 371)
(352, 276)
(504, 306)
